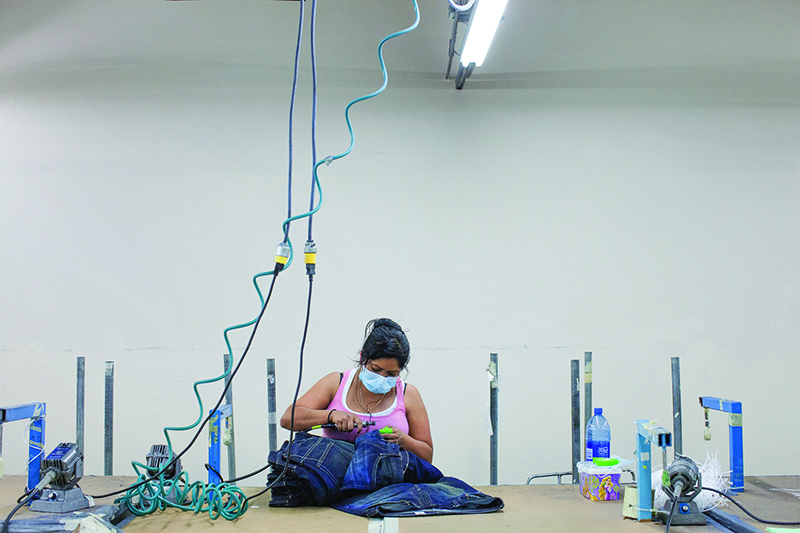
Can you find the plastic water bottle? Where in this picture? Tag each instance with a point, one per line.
(598, 436)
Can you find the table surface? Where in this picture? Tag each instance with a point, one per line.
(527, 507)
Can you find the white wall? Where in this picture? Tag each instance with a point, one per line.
(533, 217)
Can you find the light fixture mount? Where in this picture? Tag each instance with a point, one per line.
(482, 19)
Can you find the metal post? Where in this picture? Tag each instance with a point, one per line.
(109, 420)
(677, 429)
(494, 387)
(226, 362)
(587, 391)
(80, 416)
(272, 415)
(575, 380)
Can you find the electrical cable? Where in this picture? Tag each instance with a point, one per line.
(313, 160)
(329, 159)
(291, 113)
(671, 514)
(294, 402)
(460, 7)
(17, 508)
(286, 226)
(296, 394)
(173, 459)
(46, 479)
(242, 505)
(27, 493)
(255, 322)
(251, 474)
(751, 515)
(675, 505)
(210, 468)
(313, 40)
(315, 181)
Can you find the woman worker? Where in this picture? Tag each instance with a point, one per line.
(371, 392)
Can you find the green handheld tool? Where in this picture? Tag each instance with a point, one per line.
(333, 426)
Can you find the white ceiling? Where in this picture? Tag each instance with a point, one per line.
(541, 43)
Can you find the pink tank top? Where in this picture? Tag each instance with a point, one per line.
(395, 415)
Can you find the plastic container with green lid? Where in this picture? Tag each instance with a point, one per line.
(599, 478)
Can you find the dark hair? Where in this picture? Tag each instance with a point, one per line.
(384, 338)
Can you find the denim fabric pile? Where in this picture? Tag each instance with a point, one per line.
(369, 478)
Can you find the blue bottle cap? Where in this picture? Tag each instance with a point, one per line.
(598, 410)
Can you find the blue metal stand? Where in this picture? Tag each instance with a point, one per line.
(36, 412)
(646, 433)
(215, 441)
(736, 445)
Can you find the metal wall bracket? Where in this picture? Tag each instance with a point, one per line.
(647, 433)
(735, 443)
(215, 441)
(36, 413)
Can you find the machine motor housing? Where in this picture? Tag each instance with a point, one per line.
(62, 495)
(67, 462)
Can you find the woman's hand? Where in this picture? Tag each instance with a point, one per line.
(346, 421)
(419, 448)
(396, 436)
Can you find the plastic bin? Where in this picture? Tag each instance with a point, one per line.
(599, 483)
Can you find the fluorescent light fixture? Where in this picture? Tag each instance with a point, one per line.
(483, 25)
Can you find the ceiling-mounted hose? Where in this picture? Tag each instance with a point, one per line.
(152, 491)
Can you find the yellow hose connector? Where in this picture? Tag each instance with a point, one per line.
(281, 256)
(311, 258)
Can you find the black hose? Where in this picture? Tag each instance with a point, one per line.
(296, 394)
(211, 412)
(17, 508)
(751, 515)
(675, 505)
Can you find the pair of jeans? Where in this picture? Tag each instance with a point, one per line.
(315, 471)
(321, 471)
(375, 464)
(421, 471)
(448, 496)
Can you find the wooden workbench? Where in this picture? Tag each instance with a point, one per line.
(527, 508)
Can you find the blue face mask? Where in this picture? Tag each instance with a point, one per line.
(376, 383)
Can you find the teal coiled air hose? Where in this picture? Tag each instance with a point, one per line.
(153, 490)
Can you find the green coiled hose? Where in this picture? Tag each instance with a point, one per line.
(223, 499)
